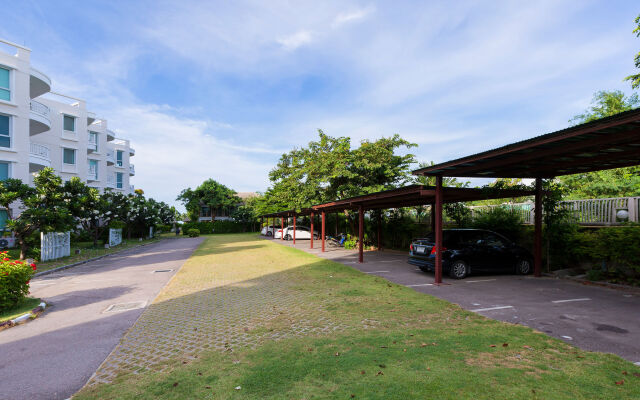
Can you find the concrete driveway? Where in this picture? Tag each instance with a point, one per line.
(92, 306)
(590, 317)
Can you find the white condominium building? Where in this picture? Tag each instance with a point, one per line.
(40, 128)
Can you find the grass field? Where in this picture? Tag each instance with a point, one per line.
(24, 306)
(392, 342)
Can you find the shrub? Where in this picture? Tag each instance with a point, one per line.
(115, 224)
(14, 281)
(193, 232)
(351, 242)
(163, 228)
(217, 227)
(502, 220)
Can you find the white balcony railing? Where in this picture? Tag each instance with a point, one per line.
(132, 169)
(40, 109)
(92, 143)
(92, 174)
(40, 152)
(111, 157)
(132, 188)
(111, 181)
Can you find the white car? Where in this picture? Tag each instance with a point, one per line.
(278, 233)
(302, 233)
(268, 230)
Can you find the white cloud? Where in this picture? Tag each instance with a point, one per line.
(296, 40)
(350, 16)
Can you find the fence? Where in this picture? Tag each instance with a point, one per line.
(115, 237)
(610, 211)
(54, 245)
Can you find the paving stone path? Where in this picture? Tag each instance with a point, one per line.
(213, 302)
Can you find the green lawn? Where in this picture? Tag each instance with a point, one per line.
(396, 343)
(26, 305)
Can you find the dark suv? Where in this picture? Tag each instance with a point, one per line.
(467, 251)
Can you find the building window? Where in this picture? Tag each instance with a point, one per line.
(69, 156)
(93, 139)
(205, 211)
(119, 155)
(5, 131)
(93, 169)
(5, 90)
(69, 123)
(119, 183)
(4, 171)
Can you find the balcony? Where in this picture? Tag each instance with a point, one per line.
(111, 181)
(132, 188)
(132, 170)
(92, 143)
(91, 117)
(111, 157)
(39, 157)
(39, 119)
(132, 152)
(39, 83)
(92, 174)
(110, 135)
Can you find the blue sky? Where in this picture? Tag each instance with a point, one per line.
(220, 89)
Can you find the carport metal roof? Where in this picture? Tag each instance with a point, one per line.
(607, 143)
(415, 195)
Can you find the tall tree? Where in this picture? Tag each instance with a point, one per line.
(635, 78)
(210, 193)
(607, 183)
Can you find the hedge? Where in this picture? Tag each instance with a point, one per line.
(217, 227)
(14, 280)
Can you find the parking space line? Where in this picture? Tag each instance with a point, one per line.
(480, 280)
(491, 308)
(422, 284)
(375, 272)
(568, 300)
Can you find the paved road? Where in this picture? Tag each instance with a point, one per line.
(590, 317)
(53, 357)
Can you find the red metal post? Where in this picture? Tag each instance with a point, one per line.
(282, 223)
(438, 266)
(380, 231)
(537, 245)
(337, 223)
(433, 217)
(360, 234)
(324, 215)
(311, 241)
(294, 230)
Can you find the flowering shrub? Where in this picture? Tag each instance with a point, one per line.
(14, 280)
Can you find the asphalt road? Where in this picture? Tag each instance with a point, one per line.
(590, 317)
(52, 357)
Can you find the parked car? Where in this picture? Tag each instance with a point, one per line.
(268, 230)
(470, 251)
(302, 232)
(278, 233)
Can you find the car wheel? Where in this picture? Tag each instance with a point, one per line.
(269, 233)
(523, 267)
(458, 269)
(287, 237)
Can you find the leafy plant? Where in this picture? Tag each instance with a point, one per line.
(193, 232)
(459, 213)
(14, 280)
(502, 220)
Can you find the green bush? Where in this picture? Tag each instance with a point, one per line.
(217, 227)
(193, 232)
(502, 220)
(115, 224)
(14, 281)
(616, 246)
(163, 228)
(351, 242)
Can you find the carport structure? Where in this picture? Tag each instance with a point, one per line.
(288, 214)
(612, 142)
(408, 196)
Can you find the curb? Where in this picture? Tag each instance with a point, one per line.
(63, 267)
(615, 286)
(33, 314)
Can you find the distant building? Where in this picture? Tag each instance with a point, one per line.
(222, 213)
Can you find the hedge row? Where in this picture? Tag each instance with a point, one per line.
(217, 227)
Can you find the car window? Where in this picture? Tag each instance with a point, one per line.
(494, 240)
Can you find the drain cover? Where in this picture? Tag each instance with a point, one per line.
(162, 270)
(125, 306)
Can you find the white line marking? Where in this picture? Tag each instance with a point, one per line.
(422, 284)
(568, 300)
(374, 272)
(637, 363)
(567, 337)
(491, 308)
(481, 280)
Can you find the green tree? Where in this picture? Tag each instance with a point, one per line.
(45, 209)
(635, 78)
(607, 183)
(210, 193)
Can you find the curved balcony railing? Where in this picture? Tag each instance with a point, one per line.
(40, 153)
(132, 169)
(111, 157)
(39, 109)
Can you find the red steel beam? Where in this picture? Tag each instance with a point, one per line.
(537, 246)
(379, 231)
(294, 230)
(360, 234)
(282, 223)
(312, 232)
(324, 215)
(438, 266)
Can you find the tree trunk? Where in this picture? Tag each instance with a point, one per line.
(23, 247)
